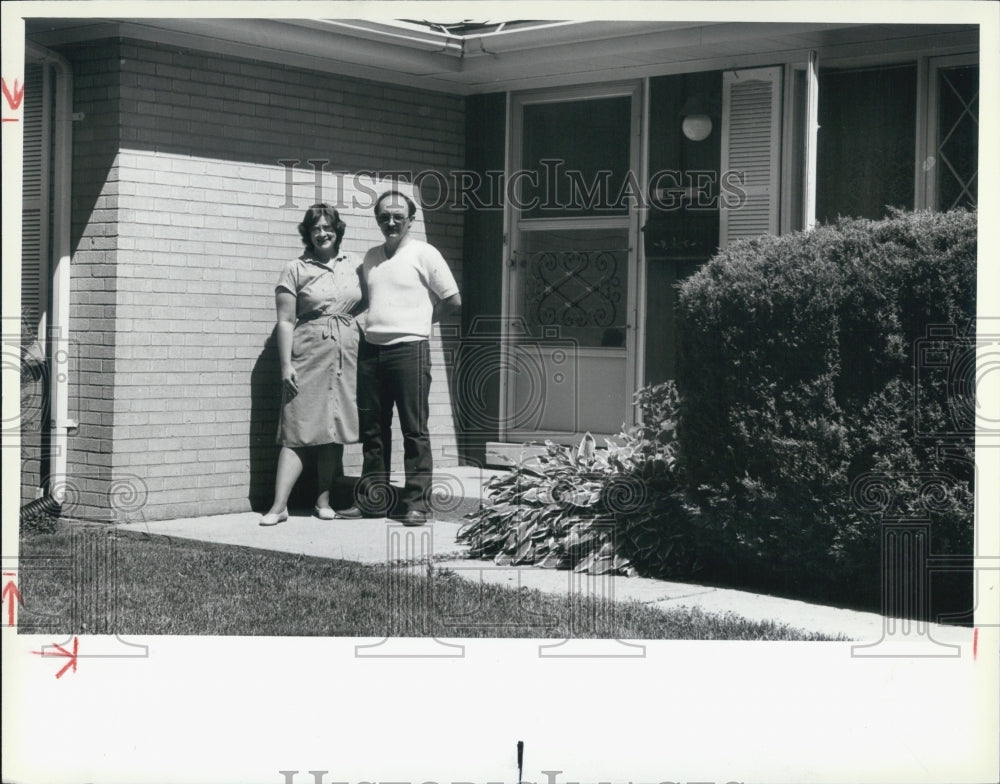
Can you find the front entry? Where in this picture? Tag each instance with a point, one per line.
(571, 263)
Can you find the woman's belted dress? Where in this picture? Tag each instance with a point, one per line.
(324, 352)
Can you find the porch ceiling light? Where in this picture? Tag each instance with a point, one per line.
(696, 122)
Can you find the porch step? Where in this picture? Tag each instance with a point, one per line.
(500, 454)
(504, 454)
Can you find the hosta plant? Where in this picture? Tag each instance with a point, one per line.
(610, 510)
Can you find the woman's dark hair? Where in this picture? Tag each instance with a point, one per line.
(411, 206)
(313, 216)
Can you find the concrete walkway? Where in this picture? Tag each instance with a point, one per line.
(375, 541)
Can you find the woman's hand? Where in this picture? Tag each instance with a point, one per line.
(289, 383)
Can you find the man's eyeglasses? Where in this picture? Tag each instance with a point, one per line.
(385, 217)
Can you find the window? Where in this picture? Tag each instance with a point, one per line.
(952, 158)
(866, 144)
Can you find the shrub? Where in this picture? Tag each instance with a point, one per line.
(600, 510)
(824, 386)
(798, 380)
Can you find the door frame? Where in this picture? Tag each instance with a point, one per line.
(637, 91)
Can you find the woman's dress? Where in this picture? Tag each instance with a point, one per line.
(324, 352)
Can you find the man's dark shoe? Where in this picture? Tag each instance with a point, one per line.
(351, 513)
(415, 517)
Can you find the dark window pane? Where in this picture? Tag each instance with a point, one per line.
(866, 146)
(958, 132)
(585, 149)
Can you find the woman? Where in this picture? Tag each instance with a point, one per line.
(318, 298)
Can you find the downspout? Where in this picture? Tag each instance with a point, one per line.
(812, 129)
(59, 421)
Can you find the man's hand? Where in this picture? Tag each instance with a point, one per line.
(446, 307)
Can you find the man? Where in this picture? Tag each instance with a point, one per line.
(409, 286)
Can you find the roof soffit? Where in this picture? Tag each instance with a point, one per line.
(530, 56)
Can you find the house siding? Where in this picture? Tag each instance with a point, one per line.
(207, 197)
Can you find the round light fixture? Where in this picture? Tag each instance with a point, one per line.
(697, 127)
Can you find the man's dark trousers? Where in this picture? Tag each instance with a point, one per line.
(395, 375)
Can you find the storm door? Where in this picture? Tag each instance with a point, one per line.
(573, 191)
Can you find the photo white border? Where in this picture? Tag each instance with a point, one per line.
(243, 709)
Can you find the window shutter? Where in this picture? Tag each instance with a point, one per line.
(34, 198)
(751, 151)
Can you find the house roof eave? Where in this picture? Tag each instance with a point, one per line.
(546, 54)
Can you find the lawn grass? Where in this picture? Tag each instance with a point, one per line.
(181, 587)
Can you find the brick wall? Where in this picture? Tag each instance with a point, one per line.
(93, 286)
(207, 207)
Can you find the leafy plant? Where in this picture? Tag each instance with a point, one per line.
(610, 510)
(548, 510)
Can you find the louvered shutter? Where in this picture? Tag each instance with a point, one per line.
(751, 147)
(34, 198)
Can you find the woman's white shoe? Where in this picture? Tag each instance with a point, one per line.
(273, 518)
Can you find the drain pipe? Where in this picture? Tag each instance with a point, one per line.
(62, 181)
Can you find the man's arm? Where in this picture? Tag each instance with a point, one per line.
(446, 307)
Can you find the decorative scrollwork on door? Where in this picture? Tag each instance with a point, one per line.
(575, 288)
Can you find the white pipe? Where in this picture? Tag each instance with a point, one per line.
(812, 130)
(62, 180)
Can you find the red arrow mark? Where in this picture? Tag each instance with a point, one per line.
(10, 593)
(13, 99)
(63, 652)
(975, 643)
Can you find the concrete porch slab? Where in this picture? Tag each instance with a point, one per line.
(456, 491)
(371, 541)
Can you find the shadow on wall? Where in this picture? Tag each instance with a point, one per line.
(265, 407)
(436, 234)
(93, 289)
(265, 404)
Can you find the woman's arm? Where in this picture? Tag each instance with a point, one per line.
(285, 304)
